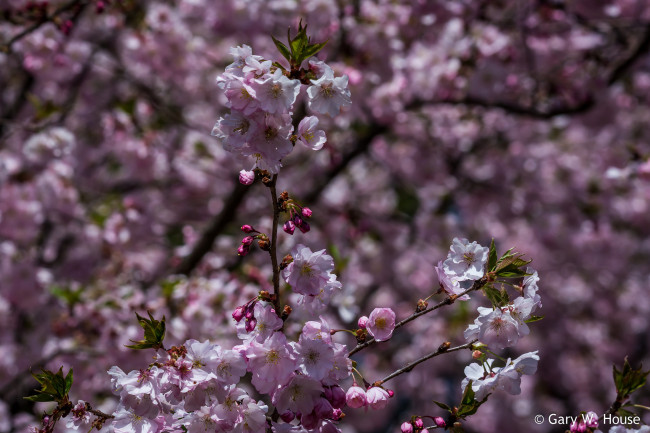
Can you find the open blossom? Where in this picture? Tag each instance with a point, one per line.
(449, 283)
(79, 415)
(276, 93)
(299, 395)
(272, 362)
(329, 94)
(315, 357)
(266, 323)
(309, 272)
(381, 323)
(482, 383)
(356, 397)
(377, 397)
(530, 288)
(466, 260)
(310, 136)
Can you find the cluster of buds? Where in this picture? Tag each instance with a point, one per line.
(417, 425)
(374, 397)
(587, 424)
(297, 214)
(246, 311)
(262, 240)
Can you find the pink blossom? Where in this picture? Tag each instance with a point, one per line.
(309, 136)
(377, 397)
(381, 323)
(356, 397)
(308, 272)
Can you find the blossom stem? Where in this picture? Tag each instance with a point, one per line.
(442, 349)
(274, 241)
(478, 285)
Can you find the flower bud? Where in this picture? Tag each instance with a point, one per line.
(362, 322)
(377, 397)
(337, 414)
(238, 314)
(243, 250)
(591, 419)
(309, 421)
(338, 397)
(246, 177)
(407, 427)
(440, 422)
(289, 227)
(356, 397)
(304, 227)
(306, 212)
(247, 240)
(287, 416)
(247, 228)
(390, 392)
(251, 324)
(264, 244)
(477, 354)
(418, 423)
(323, 409)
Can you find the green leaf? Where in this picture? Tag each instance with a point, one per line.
(492, 257)
(442, 406)
(68, 381)
(532, 319)
(313, 49)
(154, 333)
(469, 405)
(282, 49)
(628, 380)
(54, 387)
(498, 298)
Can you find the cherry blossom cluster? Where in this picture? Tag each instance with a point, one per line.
(197, 386)
(262, 99)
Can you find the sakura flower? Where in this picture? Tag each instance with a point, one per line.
(79, 415)
(377, 397)
(498, 329)
(483, 383)
(381, 323)
(329, 94)
(246, 177)
(510, 375)
(449, 283)
(310, 137)
(530, 288)
(128, 420)
(241, 96)
(308, 272)
(466, 260)
(253, 417)
(272, 362)
(277, 93)
(356, 397)
(299, 395)
(240, 54)
(235, 130)
(316, 358)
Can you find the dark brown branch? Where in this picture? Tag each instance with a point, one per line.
(66, 7)
(444, 348)
(274, 243)
(478, 285)
(218, 224)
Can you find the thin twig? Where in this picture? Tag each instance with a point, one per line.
(274, 240)
(478, 285)
(439, 351)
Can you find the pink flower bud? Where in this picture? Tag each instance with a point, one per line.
(251, 324)
(287, 416)
(246, 177)
(419, 423)
(238, 314)
(390, 392)
(591, 419)
(247, 240)
(440, 422)
(306, 212)
(377, 397)
(243, 250)
(338, 397)
(304, 227)
(424, 431)
(247, 229)
(407, 427)
(356, 397)
(336, 414)
(362, 322)
(289, 227)
(323, 409)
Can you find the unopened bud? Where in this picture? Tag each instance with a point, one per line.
(418, 423)
(306, 212)
(264, 244)
(243, 250)
(337, 414)
(246, 177)
(422, 305)
(407, 427)
(362, 322)
(390, 392)
(286, 261)
(287, 416)
(440, 422)
(285, 312)
(477, 354)
(238, 314)
(251, 324)
(289, 227)
(247, 228)
(444, 346)
(247, 240)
